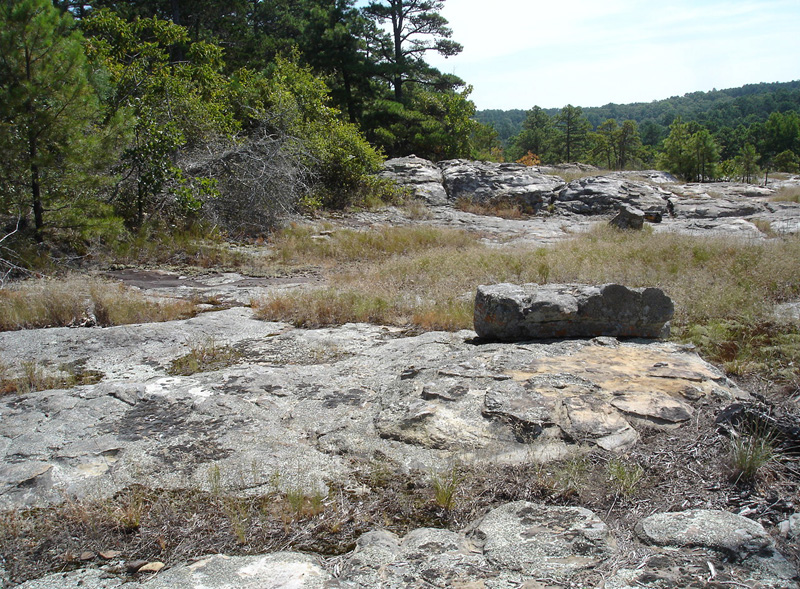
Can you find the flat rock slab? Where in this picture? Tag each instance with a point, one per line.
(544, 541)
(508, 312)
(281, 570)
(309, 404)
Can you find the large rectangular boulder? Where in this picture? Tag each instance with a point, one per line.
(511, 312)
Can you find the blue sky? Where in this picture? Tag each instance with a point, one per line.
(521, 53)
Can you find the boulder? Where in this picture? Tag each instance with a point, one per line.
(628, 218)
(419, 175)
(488, 181)
(546, 541)
(600, 195)
(736, 535)
(509, 312)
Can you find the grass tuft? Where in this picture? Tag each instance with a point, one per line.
(75, 300)
(787, 194)
(750, 452)
(624, 478)
(445, 487)
(504, 209)
(204, 357)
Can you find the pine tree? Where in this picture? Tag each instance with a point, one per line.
(416, 28)
(47, 106)
(574, 128)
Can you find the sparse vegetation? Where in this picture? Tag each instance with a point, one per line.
(445, 487)
(203, 357)
(749, 454)
(787, 194)
(624, 478)
(504, 209)
(33, 376)
(723, 287)
(78, 300)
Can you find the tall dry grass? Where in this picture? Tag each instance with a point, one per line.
(787, 194)
(724, 288)
(74, 299)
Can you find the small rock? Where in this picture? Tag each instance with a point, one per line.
(151, 567)
(109, 554)
(133, 566)
(628, 218)
(545, 541)
(790, 528)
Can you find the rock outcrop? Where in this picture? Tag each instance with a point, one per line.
(419, 175)
(600, 195)
(508, 312)
(311, 403)
(718, 208)
(629, 218)
(487, 182)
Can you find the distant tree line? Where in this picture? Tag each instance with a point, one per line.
(697, 149)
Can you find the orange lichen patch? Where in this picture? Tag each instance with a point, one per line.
(621, 369)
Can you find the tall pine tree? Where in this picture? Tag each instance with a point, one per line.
(47, 107)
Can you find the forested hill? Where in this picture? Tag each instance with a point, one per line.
(715, 109)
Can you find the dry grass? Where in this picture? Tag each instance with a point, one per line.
(417, 210)
(74, 300)
(32, 376)
(300, 244)
(198, 248)
(787, 194)
(570, 175)
(723, 287)
(504, 209)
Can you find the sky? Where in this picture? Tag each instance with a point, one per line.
(522, 53)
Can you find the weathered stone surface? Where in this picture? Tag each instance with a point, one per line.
(544, 541)
(599, 195)
(488, 181)
(629, 218)
(713, 208)
(738, 538)
(508, 312)
(790, 528)
(281, 570)
(82, 579)
(419, 175)
(721, 530)
(310, 403)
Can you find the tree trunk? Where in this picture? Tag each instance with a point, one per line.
(399, 58)
(348, 97)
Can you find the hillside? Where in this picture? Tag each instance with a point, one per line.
(718, 108)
